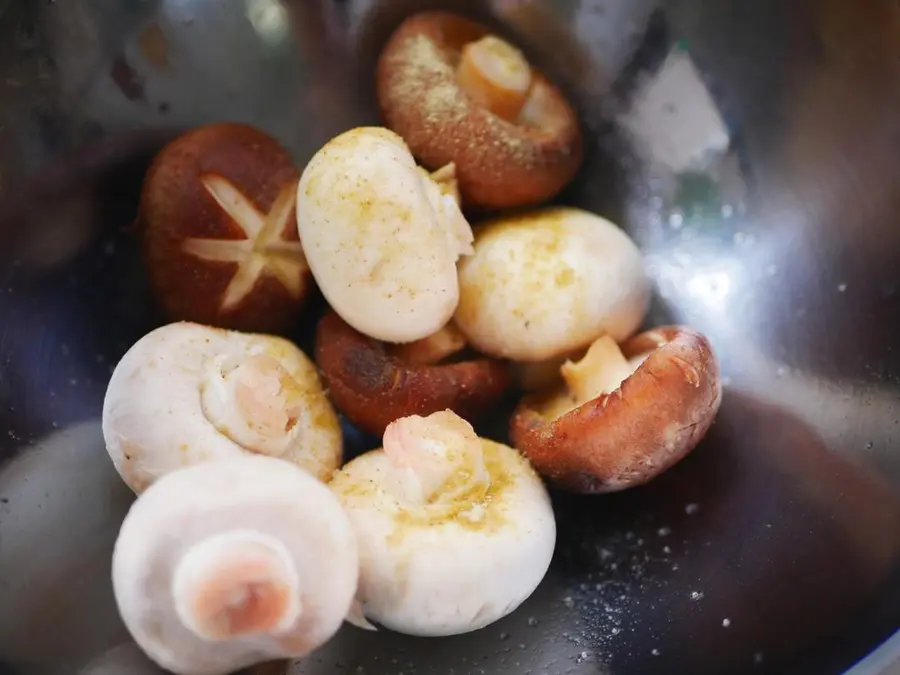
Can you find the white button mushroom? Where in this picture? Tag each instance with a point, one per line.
(382, 237)
(548, 283)
(230, 563)
(455, 532)
(187, 393)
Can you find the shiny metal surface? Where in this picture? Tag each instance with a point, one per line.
(774, 548)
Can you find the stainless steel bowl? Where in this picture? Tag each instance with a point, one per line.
(750, 147)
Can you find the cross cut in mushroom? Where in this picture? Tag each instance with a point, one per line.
(374, 383)
(263, 250)
(231, 563)
(456, 93)
(455, 531)
(186, 393)
(217, 221)
(625, 416)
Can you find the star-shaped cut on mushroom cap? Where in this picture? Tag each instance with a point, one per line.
(264, 251)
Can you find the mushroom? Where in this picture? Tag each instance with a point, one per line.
(186, 393)
(382, 237)
(216, 221)
(374, 383)
(545, 284)
(625, 415)
(235, 562)
(454, 531)
(457, 93)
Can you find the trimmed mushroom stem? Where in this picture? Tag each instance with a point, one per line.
(236, 583)
(254, 401)
(445, 177)
(442, 455)
(601, 371)
(433, 349)
(496, 75)
(442, 190)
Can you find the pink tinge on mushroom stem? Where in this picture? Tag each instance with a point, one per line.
(254, 401)
(435, 450)
(238, 583)
(263, 392)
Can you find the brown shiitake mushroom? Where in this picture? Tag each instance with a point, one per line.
(217, 220)
(374, 383)
(625, 416)
(456, 93)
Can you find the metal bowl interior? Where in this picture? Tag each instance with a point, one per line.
(749, 148)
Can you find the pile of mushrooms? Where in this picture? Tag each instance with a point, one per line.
(248, 541)
(383, 238)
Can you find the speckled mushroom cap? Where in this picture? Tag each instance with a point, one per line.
(546, 283)
(454, 531)
(499, 163)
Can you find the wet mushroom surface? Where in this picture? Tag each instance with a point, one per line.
(624, 416)
(374, 383)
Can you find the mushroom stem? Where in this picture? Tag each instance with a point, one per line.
(601, 371)
(496, 75)
(442, 190)
(433, 349)
(445, 177)
(442, 456)
(236, 583)
(254, 401)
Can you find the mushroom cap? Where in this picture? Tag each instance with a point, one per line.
(216, 222)
(447, 568)
(547, 283)
(635, 433)
(184, 511)
(155, 421)
(373, 388)
(381, 237)
(500, 164)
